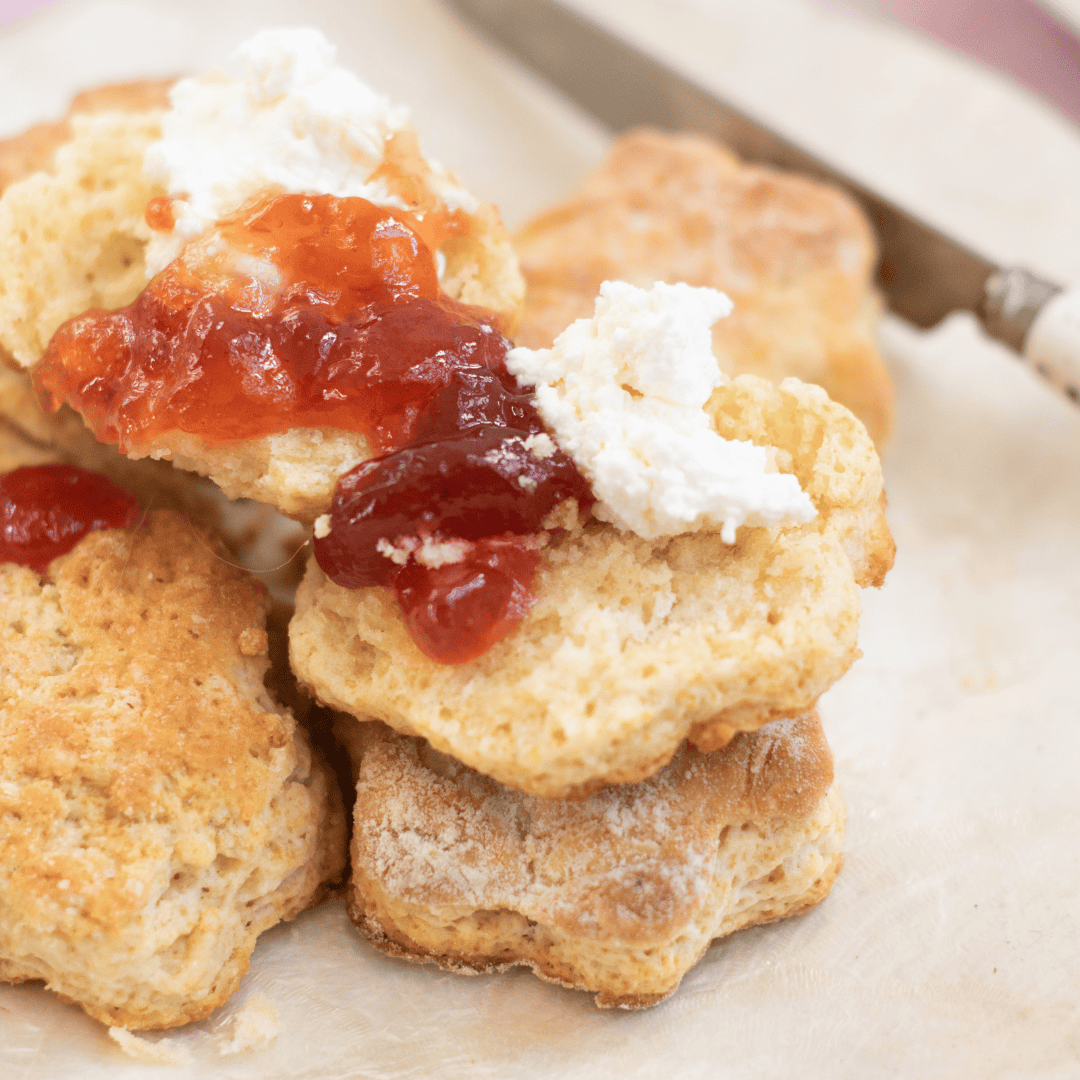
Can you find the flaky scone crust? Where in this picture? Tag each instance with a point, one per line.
(618, 894)
(633, 645)
(159, 809)
(74, 237)
(796, 256)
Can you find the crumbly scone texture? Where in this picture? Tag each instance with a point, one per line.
(618, 894)
(634, 645)
(74, 238)
(159, 809)
(796, 256)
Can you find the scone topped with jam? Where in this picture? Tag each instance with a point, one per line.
(707, 583)
(160, 808)
(282, 213)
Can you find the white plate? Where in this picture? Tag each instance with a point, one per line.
(950, 946)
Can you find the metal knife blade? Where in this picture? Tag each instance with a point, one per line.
(923, 273)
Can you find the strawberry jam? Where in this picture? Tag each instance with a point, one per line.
(481, 472)
(45, 510)
(313, 311)
(456, 612)
(302, 311)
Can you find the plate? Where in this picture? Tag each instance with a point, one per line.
(950, 945)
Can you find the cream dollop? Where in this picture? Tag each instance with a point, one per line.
(288, 120)
(625, 394)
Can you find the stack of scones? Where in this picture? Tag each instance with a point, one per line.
(632, 767)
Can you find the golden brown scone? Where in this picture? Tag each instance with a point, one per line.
(74, 238)
(634, 645)
(618, 894)
(795, 255)
(160, 810)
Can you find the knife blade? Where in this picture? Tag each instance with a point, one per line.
(924, 275)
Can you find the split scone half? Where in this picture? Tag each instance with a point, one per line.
(795, 255)
(74, 237)
(618, 894)
(634, 645)
(159, 809)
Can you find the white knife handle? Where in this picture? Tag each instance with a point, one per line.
(1040, 321)
(1052, 346)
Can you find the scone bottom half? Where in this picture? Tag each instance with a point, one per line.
(160, 809)
(619, 894)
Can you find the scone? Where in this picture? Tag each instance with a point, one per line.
(619, 894)
(634, 645)
(160, 809)
(796, 256)
(79, 238)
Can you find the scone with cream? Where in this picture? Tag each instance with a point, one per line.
(290, 201)
(712, 587)
(160, 809)
(619, 894)
(796, 255)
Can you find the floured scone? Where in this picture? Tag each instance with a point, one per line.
(160, 810)
(795, 255)
(618, 894)
(78, 238)
(634, 645)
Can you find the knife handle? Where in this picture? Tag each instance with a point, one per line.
(1053, 343)
(1040, 321)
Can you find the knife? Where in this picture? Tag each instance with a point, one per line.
(923, 274)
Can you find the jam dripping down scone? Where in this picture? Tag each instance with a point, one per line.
(634, 645)
(618, 894)
(160, 809)
(796, 256)
(76, 239)
(29, 435)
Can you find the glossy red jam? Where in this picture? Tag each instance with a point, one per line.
(45, 510)
(303, 311)
(479, 470)
(318, 311)
(457, 612)
(159, 213)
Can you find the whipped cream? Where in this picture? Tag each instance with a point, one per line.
(290, 120)
(624, 392)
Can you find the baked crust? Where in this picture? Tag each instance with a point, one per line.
(619, 894)
(796, 256)
(74, 238)
(633, 645)
(159, 809)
